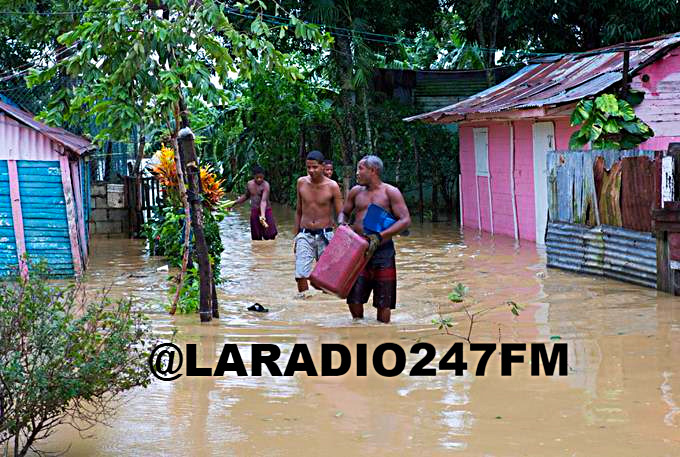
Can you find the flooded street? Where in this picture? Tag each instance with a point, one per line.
(621, 396)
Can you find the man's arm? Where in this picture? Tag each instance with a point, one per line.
(264, 201)
(347, 208)
(298, 209)
(400, 211)
(337, 200)
(243, 197)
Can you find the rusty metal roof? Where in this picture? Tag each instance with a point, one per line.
(69, 140)
(556, 80)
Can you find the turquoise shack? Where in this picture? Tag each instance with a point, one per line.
(44, 184)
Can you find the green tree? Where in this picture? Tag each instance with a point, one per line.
(359, 29)
(137, 63)
(64, 360)
(273, 123)
(608, 122)
(550, 26)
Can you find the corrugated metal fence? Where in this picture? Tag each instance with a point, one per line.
(604, 250)
(596, 199)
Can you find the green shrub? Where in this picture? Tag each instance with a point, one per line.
(190, 295)
(64, 360)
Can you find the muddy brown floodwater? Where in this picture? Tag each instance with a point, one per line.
(621, 395)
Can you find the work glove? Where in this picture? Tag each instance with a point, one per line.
(374, 241)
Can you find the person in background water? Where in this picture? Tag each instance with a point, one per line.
(317, 198)
(262, 223)
(328, 168)
(380, 274)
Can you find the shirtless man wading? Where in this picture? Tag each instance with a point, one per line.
(317, 197)
(380, 274)
(262, 223)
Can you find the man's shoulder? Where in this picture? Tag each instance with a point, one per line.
(356, 189)
(303, 179)
(391, 189)
(332, 183)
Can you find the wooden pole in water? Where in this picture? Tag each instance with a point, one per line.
(188, 157)
(187, 214)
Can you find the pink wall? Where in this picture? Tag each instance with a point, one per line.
(524, 180)
(499, 169)
(661, 106)
(20, 142)
(467, 170)
(660, 109)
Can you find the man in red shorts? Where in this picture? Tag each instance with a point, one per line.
(380, 274)
(262, 223)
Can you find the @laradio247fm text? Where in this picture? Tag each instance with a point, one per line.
(166, 360)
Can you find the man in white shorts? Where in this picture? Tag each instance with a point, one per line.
(317, 198)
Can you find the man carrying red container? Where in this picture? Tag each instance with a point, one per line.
(381, 213)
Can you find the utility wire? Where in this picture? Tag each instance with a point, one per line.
(283, 21)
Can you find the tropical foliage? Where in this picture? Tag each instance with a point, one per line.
(608, 122)
(165, 232)
(166, 173)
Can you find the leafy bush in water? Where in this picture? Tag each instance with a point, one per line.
(62, 360)
(190, 295)
(165, 234)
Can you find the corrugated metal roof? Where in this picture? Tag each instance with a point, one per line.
(555, 81)
(71, 141)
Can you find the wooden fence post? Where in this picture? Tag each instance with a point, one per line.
(189, 160)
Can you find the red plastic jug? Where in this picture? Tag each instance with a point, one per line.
(341, 262)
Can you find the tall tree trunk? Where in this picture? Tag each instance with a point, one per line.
(486, 27)
(322, 140)
(420, 179)
(397, 170)
(455, 198)
(187, 216)
(367, 120)
(447, 194)
(190, 161)
(342, 54)
(108, 161)
(435, 196)
(302, 147)
(346, 169)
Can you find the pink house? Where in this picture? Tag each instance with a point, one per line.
(506, 130)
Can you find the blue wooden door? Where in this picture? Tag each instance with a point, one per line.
(44, 213)
(8, 251)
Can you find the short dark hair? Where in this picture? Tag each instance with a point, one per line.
(258, 170)
(316, 155)
(328, 162)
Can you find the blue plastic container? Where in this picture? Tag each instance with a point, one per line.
(377, 219)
